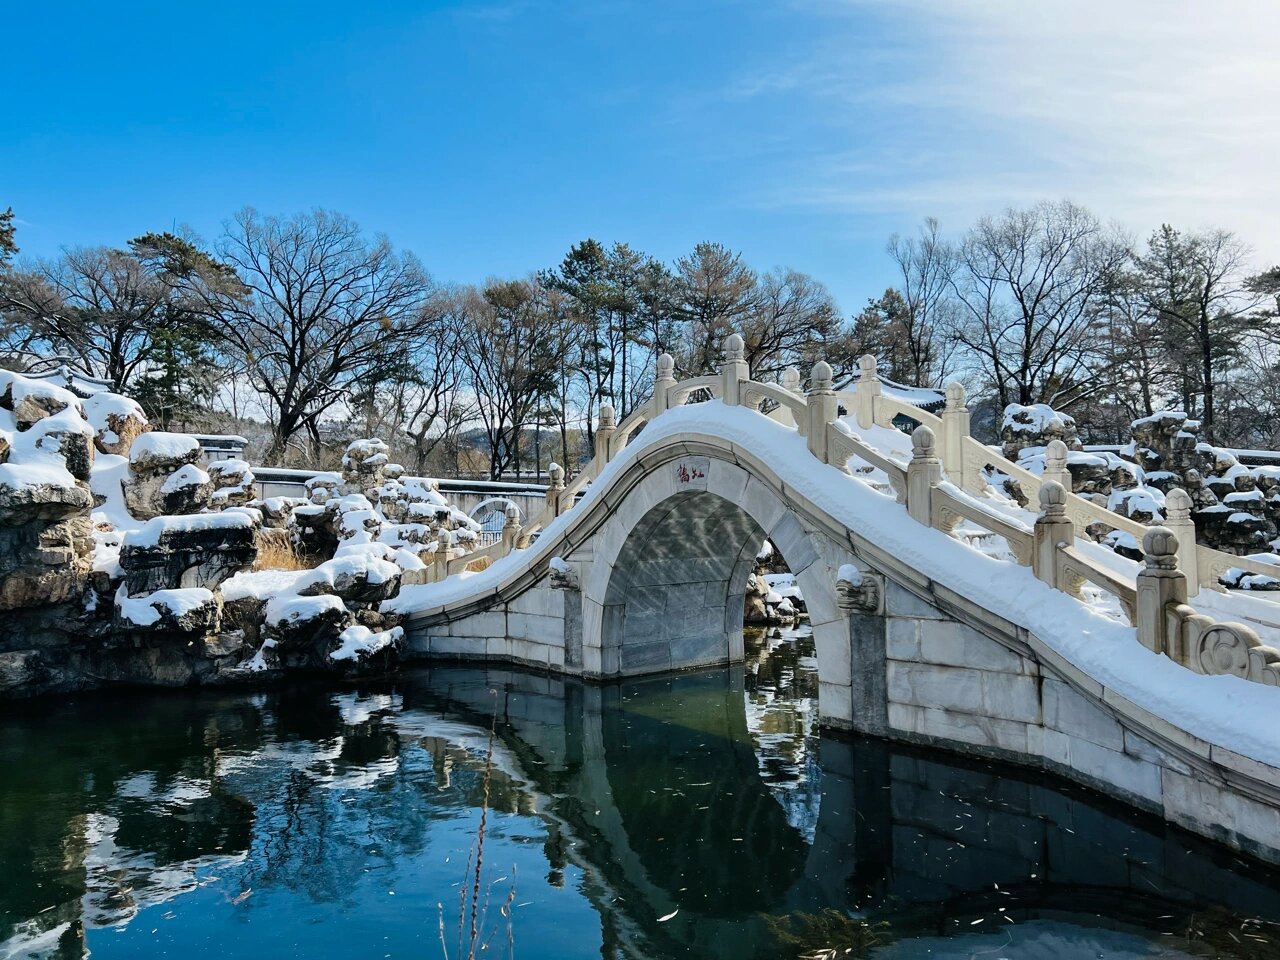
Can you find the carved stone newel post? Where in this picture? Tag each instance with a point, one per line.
(1160, 583)
(924, 472)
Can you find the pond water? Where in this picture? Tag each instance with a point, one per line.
(699, 815)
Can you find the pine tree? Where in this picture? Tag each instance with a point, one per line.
(179, 381)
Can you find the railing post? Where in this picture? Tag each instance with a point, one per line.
(735, 370)
(821, 404)
(866, 392)
(444, 546)
(555, 487)
(1177, 508)
(664, 380)
(1055, 465)
(924, 472)
(955, 427)
(1160, 583)
(1053, 529)
(510, 528)
(791, 380)
(605, 428)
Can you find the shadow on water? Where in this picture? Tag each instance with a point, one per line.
(694, 815)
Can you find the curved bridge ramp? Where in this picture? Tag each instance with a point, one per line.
(942, 612)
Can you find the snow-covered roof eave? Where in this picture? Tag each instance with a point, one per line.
(926, 398)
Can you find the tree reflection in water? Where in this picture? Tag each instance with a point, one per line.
(325, 821)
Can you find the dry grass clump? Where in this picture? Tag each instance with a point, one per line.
(479, 564)
(277, 551)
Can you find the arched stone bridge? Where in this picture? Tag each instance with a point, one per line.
(1056, 653)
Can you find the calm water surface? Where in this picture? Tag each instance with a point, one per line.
(695, 816)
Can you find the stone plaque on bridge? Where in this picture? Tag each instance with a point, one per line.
(692, 471)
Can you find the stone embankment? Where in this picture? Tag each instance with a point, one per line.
(125, 559)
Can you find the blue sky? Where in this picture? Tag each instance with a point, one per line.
(488, 137)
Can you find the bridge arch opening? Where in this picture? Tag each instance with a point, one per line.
(671, 582)
(491, 514)
(676, 594)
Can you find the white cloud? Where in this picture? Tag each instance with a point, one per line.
(1145, 111)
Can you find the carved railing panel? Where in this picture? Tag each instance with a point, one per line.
(1075, 569)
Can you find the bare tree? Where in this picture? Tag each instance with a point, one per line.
(1196, 285)
(1029, 282)
(106, 310)
(927, 265)
(415, 398)
(512, 352)
(792, 313)
(320, 309)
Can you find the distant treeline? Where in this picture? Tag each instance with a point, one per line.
(322, 332)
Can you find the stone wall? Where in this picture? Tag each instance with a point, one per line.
(949, 683)
(540, 628)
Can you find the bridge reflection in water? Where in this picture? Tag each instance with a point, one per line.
(330, 822)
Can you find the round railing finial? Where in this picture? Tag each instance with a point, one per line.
(1177, 504)
(735, 348)
(1053, 499)
(923, 442)
(666, 367)
(1160, 548)
(822, 377)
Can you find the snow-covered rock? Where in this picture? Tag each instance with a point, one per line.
(198, 550)
(184, 610)
(1034, 425)
(363, 463)
(358, 643)
(232, 481)
(301, 625)
(116, 420)
(362, 577)
(163, 478)
(158, 450)
(46, 459)
(30, 401)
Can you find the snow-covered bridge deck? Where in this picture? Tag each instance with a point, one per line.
(942, 612)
